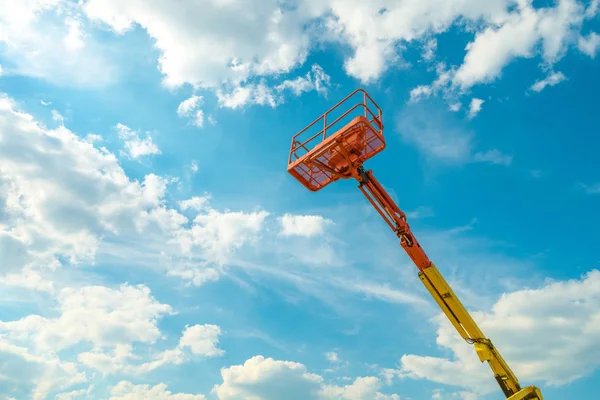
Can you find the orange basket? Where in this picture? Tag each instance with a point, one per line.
(340, 146)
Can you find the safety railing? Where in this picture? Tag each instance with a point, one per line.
(373, 114)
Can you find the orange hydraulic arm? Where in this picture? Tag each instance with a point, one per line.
(393, 216)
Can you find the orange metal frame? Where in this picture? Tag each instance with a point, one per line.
(328, 157)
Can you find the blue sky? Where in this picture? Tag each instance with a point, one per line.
(153, 245)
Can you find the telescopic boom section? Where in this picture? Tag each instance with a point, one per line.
(325, 157)
(441, 291)
(393, 216)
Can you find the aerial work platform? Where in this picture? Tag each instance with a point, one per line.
(340, 143)
(335, 147)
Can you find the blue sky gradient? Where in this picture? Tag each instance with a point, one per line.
(149, 250)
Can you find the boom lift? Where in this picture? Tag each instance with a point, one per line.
(337, 150)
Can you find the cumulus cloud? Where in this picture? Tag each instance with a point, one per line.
(261, 93)
(532, 330)
(75, 205)
(332, 356)
(194, 166)
(76, 394)
(551, 80)
(47, 39)
(268, 379)
(135, 146)
(514, 34)
(45, 373)
(363, 388)
(303, 225)
(218, 234)
(97, 315)
(126, 390)
(249, 63)
(190, 108)
(108, 322)
(429, 49)
(196, 203)
(202, 340)
(57, 117)
(589, 44)
(475, 107)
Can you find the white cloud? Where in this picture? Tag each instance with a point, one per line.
(316, 80)
(45, 373)
(46, 39)
(250, 61)
(269, 43)
(125, 390)
(218, 234)
(190, 108)
(97, 315)
(363, 388)
(532, 330)
(136, 147)
(332, 356)
(454, 107)
(429, 49)
(421, 212)
(420, 92)
(591, 189)
(108, 362)
(506, 36)
(28, 279)
(262, 94)
(475, 107)
(441, 137)
(442, 84)
(202, 340)
(93, 138)
(493, 157)
(197, 275)
(590, 44)
(199, 118)
(259, 94)
(269, 379)
(435, 134)
(57, 117)
(551, 80)
(303, 225)
(73, 41)
(196, 203)
(592, 9)
(194, 166)
(189, 105)
(76, 200)
(439, 394)
(41, 213)
(494, 48)
(76, 394)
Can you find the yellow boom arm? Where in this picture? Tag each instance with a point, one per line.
(468, 329)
